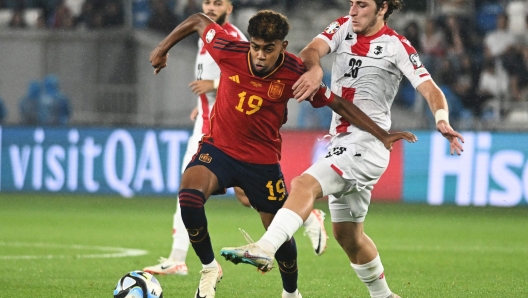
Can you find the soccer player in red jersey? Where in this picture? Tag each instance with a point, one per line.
(244, 144)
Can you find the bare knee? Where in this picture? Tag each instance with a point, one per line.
(307, 186)
(349, 236)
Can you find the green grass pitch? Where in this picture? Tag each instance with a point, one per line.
(53, 246)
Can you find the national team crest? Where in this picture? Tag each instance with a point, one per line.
(275, 90)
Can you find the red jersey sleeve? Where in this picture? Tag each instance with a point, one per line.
(323, 97)
(220, 44)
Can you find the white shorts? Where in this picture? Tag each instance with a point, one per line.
(192, 147)
(347, 174)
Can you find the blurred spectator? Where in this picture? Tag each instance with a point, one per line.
(47, 6)
(87, 15)
(54, 107)
(523, 37)
(496, 42)
(96, 14)
(113, 14)
(515, 61)
(3, 111)
(162, 19)
(453, 34)
(461, 116)
(412, 33)
(465, 84)
(194, 6)
(433, 45)
(455, 7)
(29, 104)
(17, 20)
(492, 90)
(61, 17)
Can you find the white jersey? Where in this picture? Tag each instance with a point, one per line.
(205, 69)
(367, 70)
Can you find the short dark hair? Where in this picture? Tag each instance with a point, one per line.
(392, 5)
(269, 26)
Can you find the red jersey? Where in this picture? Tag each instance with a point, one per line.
(250, 110)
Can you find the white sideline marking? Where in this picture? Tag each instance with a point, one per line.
(111, 252)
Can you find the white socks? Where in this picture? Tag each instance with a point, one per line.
(373, 277)
(213, 264)
(284, 225)
(295, 294)
(178, 256)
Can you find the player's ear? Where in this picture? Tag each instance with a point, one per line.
(284, 45)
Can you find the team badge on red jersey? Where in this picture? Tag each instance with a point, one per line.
(275, 90)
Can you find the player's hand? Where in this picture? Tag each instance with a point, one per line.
(391, 138)
(308, 84)
(158, 59)
(194, 114)
(452, 136)
(201, 86)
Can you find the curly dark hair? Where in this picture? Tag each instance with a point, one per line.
(269, 26)
(393, 5)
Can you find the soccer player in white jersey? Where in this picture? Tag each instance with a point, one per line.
(207, 75)
(370, 60)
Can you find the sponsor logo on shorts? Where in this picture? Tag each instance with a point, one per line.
(205, 157)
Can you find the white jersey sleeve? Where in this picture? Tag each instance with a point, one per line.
(207, 69)
(367, 70)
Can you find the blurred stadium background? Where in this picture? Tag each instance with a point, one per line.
(120, 132)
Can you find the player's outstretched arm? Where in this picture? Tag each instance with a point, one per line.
(438, 105)
(308, 84)
(194, 23)
(355, 116)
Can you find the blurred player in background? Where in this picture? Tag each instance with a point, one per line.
(207, 75)
(368, 66)
(243, 147)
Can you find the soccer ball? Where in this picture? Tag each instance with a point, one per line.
(138, 284)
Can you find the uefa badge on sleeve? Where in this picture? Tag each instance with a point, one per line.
(210, 35)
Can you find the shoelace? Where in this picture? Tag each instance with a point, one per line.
(163, 260)
(246, 236)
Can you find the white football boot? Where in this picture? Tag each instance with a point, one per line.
(296, 294)
(249, 254)
(316, 232)
(210, 277)
(167, 266)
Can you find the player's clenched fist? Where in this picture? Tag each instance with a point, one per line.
(158, 59)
